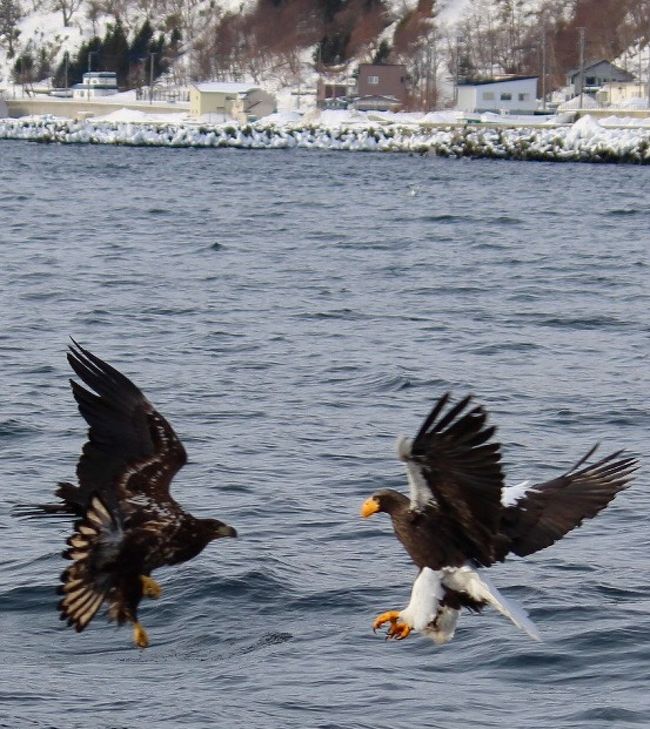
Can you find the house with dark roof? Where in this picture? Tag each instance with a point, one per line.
(508, 94)
(597, 74)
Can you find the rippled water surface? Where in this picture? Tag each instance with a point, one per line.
(291, 313)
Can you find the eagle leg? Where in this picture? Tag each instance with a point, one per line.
(140, 637)
(150, 588)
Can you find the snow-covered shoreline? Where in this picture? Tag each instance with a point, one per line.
(584, 141)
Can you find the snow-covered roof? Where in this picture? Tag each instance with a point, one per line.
(225, 87)
(502, 80)
(597, 62)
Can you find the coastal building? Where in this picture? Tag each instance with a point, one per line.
(596, 74)
(332, 94)
(623, 93)
(95, 84)
(381, 86)
(510, 94)
(218, 101)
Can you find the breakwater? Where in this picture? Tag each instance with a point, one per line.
(584, 141)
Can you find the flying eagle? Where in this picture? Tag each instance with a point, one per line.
(460, 517)
(128, 523)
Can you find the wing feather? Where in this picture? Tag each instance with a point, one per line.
(454, 455)
(131, 448)
(545, 512)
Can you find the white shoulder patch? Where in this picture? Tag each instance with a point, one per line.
(403, 447)
(419, 490)
(510, 495)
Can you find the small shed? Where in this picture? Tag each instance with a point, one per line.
(226, 100)
(331, 95)
(511, 94)
(96, 83)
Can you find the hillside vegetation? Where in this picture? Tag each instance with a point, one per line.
(287, 41)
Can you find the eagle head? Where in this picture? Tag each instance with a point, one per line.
(386, 500)
(215, 529)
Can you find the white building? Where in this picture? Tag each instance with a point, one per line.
(513, 95)
(217, 101)
(620, 93)
(96, 83)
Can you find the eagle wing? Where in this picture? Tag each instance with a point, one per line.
(131, 448)
(454, 465)
(537, 516)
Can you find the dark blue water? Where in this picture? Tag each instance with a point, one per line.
(291, 313)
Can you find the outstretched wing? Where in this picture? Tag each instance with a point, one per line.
(131, 448)
(538, 516)
(453, 462)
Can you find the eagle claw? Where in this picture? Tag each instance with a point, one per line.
(150, 588)
(140, 637)
(397, 630)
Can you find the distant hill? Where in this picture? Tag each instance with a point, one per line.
(287, 43)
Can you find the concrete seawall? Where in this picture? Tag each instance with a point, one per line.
(83, 109)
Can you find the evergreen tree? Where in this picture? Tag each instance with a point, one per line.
(139, 48)
(23, 70)
(10, 16)
(115, 53)
(383, 52)
(43, 65)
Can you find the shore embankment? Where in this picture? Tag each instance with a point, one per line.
(586, 140)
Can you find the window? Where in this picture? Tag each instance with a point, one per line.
(506, 97)
(524, 97)
(590, 80)
(373, 80)
(488, 96)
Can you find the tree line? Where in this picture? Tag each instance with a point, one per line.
(268, 38)
(135, 63)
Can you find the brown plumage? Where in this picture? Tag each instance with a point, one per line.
(128, 523)
(460, 514)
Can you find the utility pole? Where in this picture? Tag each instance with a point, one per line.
(543, 61)
(581, 31)
(648, 45)
(648, 89)
(90, 67)
(457, 70)
(151, 56)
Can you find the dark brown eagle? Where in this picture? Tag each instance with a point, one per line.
(460, 517)
(128, 524)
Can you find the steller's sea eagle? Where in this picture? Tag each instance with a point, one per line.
(460, 517)
(128, 523)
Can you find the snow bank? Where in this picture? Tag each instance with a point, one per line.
(584, 141)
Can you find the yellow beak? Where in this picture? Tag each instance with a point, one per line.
(369, 507)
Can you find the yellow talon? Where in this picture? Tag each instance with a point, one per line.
(389, 617)
(140, 637)
(150, 588)
(398, 631)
